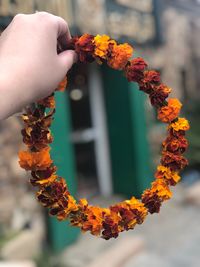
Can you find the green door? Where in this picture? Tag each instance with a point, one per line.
(129, 151)
(60, 233)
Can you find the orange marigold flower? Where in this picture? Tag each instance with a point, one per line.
(174, 161)
(166, 173)
(62, 85)
(159, 94)
(171, 111)
(35, 160)
(120, 56)
(48, 102)
(94, 220)
(134, 70)
(71, 205)
(180, 125)
(101, 45)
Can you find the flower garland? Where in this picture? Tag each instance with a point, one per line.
(53, 191)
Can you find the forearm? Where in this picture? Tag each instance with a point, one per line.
(11, 99)
(13, 92)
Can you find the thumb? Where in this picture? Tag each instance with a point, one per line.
(67, 59)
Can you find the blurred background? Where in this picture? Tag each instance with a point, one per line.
(107, 141)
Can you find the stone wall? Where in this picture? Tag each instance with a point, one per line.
(20, 213)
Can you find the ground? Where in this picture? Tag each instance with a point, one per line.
(171, 239)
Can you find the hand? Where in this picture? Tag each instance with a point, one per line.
(30, 67)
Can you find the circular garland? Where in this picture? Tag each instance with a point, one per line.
(53, 192)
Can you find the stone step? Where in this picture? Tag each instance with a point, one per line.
(118, 254)
(147, 259)
(17, 264)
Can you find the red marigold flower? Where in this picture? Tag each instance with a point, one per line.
(36, 137)
(175, 162)
(120, 56)
(42, 174)
(38, 119)
(63, 207)
(171, 111)
(150, 80)
(159, 192)
(36, 133)
(159, 94)
(53, 193)
(134, 70)
(57, 198)
(151, 201)
(111, 225)
(131, 211)
(128, 217)
(84, 47)
(175, 145)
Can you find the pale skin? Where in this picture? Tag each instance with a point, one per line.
(30, 67)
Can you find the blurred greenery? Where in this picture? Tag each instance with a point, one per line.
(192, 112)
(5, 237)
(47, 259)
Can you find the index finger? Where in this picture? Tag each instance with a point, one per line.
(63, 33)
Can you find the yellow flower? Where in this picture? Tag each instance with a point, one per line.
(135, 204)
(46, 181)
(83, 202)
(180, 125)
(166, 173)
(72, 206)
(161, 188)
(101, 45)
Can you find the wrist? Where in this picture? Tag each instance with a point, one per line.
(12, 96)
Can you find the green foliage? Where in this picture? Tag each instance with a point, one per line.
(47, 259)
(192, 111)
